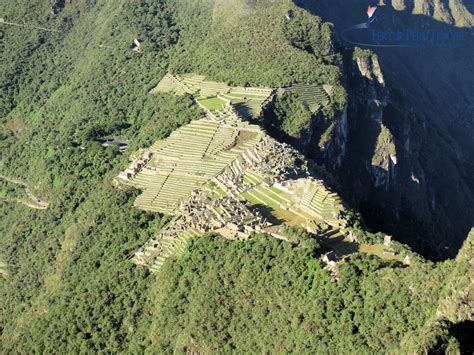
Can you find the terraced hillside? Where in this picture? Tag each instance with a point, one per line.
(312, 96)
(185, 161)
(316, 199)
(215, 96)
(169, 84)
(303, 202)
(201, 87)
(225, 175)
(169, 245)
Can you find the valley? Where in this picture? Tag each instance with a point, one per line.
(419, 97)
(215, 176)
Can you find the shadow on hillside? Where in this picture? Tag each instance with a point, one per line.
(243, 109)
(339, 244)
(267, 213)
(469, 6)
(422, 70)
(463, 332)
(425, 70)
(419, 74)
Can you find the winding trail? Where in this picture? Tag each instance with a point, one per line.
(35, 202)
(3, 269)
(2, 21)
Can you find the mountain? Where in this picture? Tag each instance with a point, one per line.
(423, 195)
(77, 74)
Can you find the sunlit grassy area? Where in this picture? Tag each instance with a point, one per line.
(214, 103)
(215, 191)
(380, 251)
(272, 211)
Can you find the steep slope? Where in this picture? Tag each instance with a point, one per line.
(373, 307)
(246, 42)
(71, 287)
(422, 95)
(63, 90)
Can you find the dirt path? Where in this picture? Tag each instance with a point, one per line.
(3, 269)
(2, 21)
(33, 202)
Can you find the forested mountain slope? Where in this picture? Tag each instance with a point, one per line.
(69, 285)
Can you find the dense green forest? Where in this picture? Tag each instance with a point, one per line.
(70, 286)
(290, 116)
(269, 296)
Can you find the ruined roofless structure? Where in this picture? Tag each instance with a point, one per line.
(208, 174)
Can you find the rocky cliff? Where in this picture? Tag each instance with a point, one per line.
(402, 150)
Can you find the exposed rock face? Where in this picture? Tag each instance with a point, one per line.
(375, 149)
(384, 160)
(374, 85)
(335, 149)
(426, 199)
(399, 5)
(450, 12)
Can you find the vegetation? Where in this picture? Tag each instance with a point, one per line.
(10, 191)
(291, 116)
(227, 51)
(70, 287)
(264, 295)
(213, 103)
(310, 34)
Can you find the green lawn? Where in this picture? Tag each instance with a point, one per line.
(272, 211)
(216, 192)
(214, 103)
(379, 250)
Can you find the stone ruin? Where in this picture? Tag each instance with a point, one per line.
(275, 162)
(238, 158)
(135, 46)
(226, 216)
(279, 161)
(136, 165)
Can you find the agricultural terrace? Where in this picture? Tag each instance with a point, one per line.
(306, 203)
(187, 160)
(312, 96)
(275, 204)
(223, 174)
(216, 96)
(169, 84)
(169, 245)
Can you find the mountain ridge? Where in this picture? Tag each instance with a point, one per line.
(432, 136)
(70, 285)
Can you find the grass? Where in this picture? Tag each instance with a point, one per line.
(272, 211)
(239, 95)
(214, 103)
(379, 250)
(215, 191)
